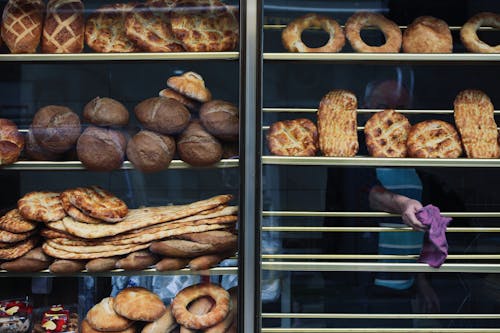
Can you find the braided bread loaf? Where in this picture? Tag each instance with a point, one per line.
(22, 25)
(64, 27)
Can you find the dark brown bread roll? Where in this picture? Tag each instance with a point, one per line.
(56, 128)
(221, 119)
(11, 142)
(36, 152)
(101, 149)
(163, 115)
(198, 147)
(22, 25)
(150, 152)
(106, 112)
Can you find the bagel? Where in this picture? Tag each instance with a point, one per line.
(468, 33)
(427, 34)
(358, 21)
(292, 40)
(189, 320)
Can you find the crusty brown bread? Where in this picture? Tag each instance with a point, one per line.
(434, 139)
(197, 147)
(221, 119)
(386, 133)
(64, 27)
(163, 115)
(105, 111)
(11, 142)
(101, 149)
(22, 23)
(297, 137)
(151, 152)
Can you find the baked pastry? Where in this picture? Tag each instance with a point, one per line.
(291, 36)
(64, 266)
(434, 139)
(105, 29)
(75, 212)
(358, 21)
(191, 104)
(36, 152)
(164, 115)
(298, 137)
(151, 152)
(14, 222)
(102, 317)
(476, 124)
(192, 85)
(386, 133)
(197, 147)
(98, 203)
(337, 124)
(7, 238)
(18, 249)
(164, 324)
(105, 111)
(221, 119)
(22, 22)
(86, 328)
(101, 149)
(41, 206)
(56, 128)
(427, 34)
(64, 27)
(150, 31)
(11, 142)
(468, 33)
(136, 261)
(205, 25)
(139, 304)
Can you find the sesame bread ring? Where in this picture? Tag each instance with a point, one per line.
(358, 21)
(189, 320)
(468, 33)
(291, 35)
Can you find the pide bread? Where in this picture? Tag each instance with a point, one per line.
(163, 115)
(105, 111)
(434, 139)
(139, 304)
(64, 27)
(192, 85)
(102, 317)
(151, 152)
(197, 147)
(298, 137)
(14, 222)
(476, 124)
(75, 212)
(221, 119)
(11, 142)
(18, 249)
(9, 238)
(22, 22)
(42, 206)
(180, 248)
(386, 133)
(105, 29)
(337, 124)
(101, 149)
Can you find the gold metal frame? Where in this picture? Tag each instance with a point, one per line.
(373, 257)
(373, 229)
(380, 330)
(382, 315)
(354, 57)
(368, 214)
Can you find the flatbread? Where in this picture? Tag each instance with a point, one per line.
(386, 133)
(75, 212)
(88, 249)
(434, 139)
(139, 218)
(18, 249)
(41, 206)
(10, 237)
(476, 124)
(12, 221)
(61, 254)
(297, 137)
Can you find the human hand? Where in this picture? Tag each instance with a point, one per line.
(408, 208)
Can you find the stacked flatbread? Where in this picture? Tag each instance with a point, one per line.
(17, 235)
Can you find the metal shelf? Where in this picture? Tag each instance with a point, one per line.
(383, 57)
(482, 316)
(359, 111)
(77, 165)
(379, 330)
(378, 161)
(306, 266)
(373, 229)
(121, 272)
(373, 257)
(121, 56)
(368, 214)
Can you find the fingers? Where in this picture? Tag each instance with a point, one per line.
(411, 220)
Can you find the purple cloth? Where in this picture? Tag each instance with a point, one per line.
(435, 247)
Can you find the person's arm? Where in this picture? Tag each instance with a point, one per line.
(384, 200)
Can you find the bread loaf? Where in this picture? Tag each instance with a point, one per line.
(163, 115)
(36, 152)
(106, 112)
(136, 261)
(64, 27)
(22, 22)
(198, 147)
(101, 149)
(11, 142)
(221, 119)
(150, 152)
(191, 104)
(56, 128)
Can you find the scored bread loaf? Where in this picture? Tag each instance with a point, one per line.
(64, 27)
(22, 23)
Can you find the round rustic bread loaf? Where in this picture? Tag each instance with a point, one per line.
(198, 147)
(150, 152)
(56, 128)
(101, 149)
(36, 152)
(106, 112)
(161, 114)
(221, 119)
(11, 142)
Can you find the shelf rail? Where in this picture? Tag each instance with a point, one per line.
(373, 229)
(481, 316)
(285, 213)
(373, 257)
(380, 330)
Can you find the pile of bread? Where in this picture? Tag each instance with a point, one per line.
(198, 308)
(426, 34)
(182, 119)
(90, 228)
(150, 26)
(389, 133)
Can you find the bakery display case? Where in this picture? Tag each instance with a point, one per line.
(332, 260)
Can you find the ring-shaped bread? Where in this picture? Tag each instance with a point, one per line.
(292, 34)
(218, 312)
(358, 21)
(468, 33)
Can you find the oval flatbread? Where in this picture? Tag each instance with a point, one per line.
(75, 212)
(434, 139)
(12, 221)
(41, 206)
(386, 133)
(298, 137)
